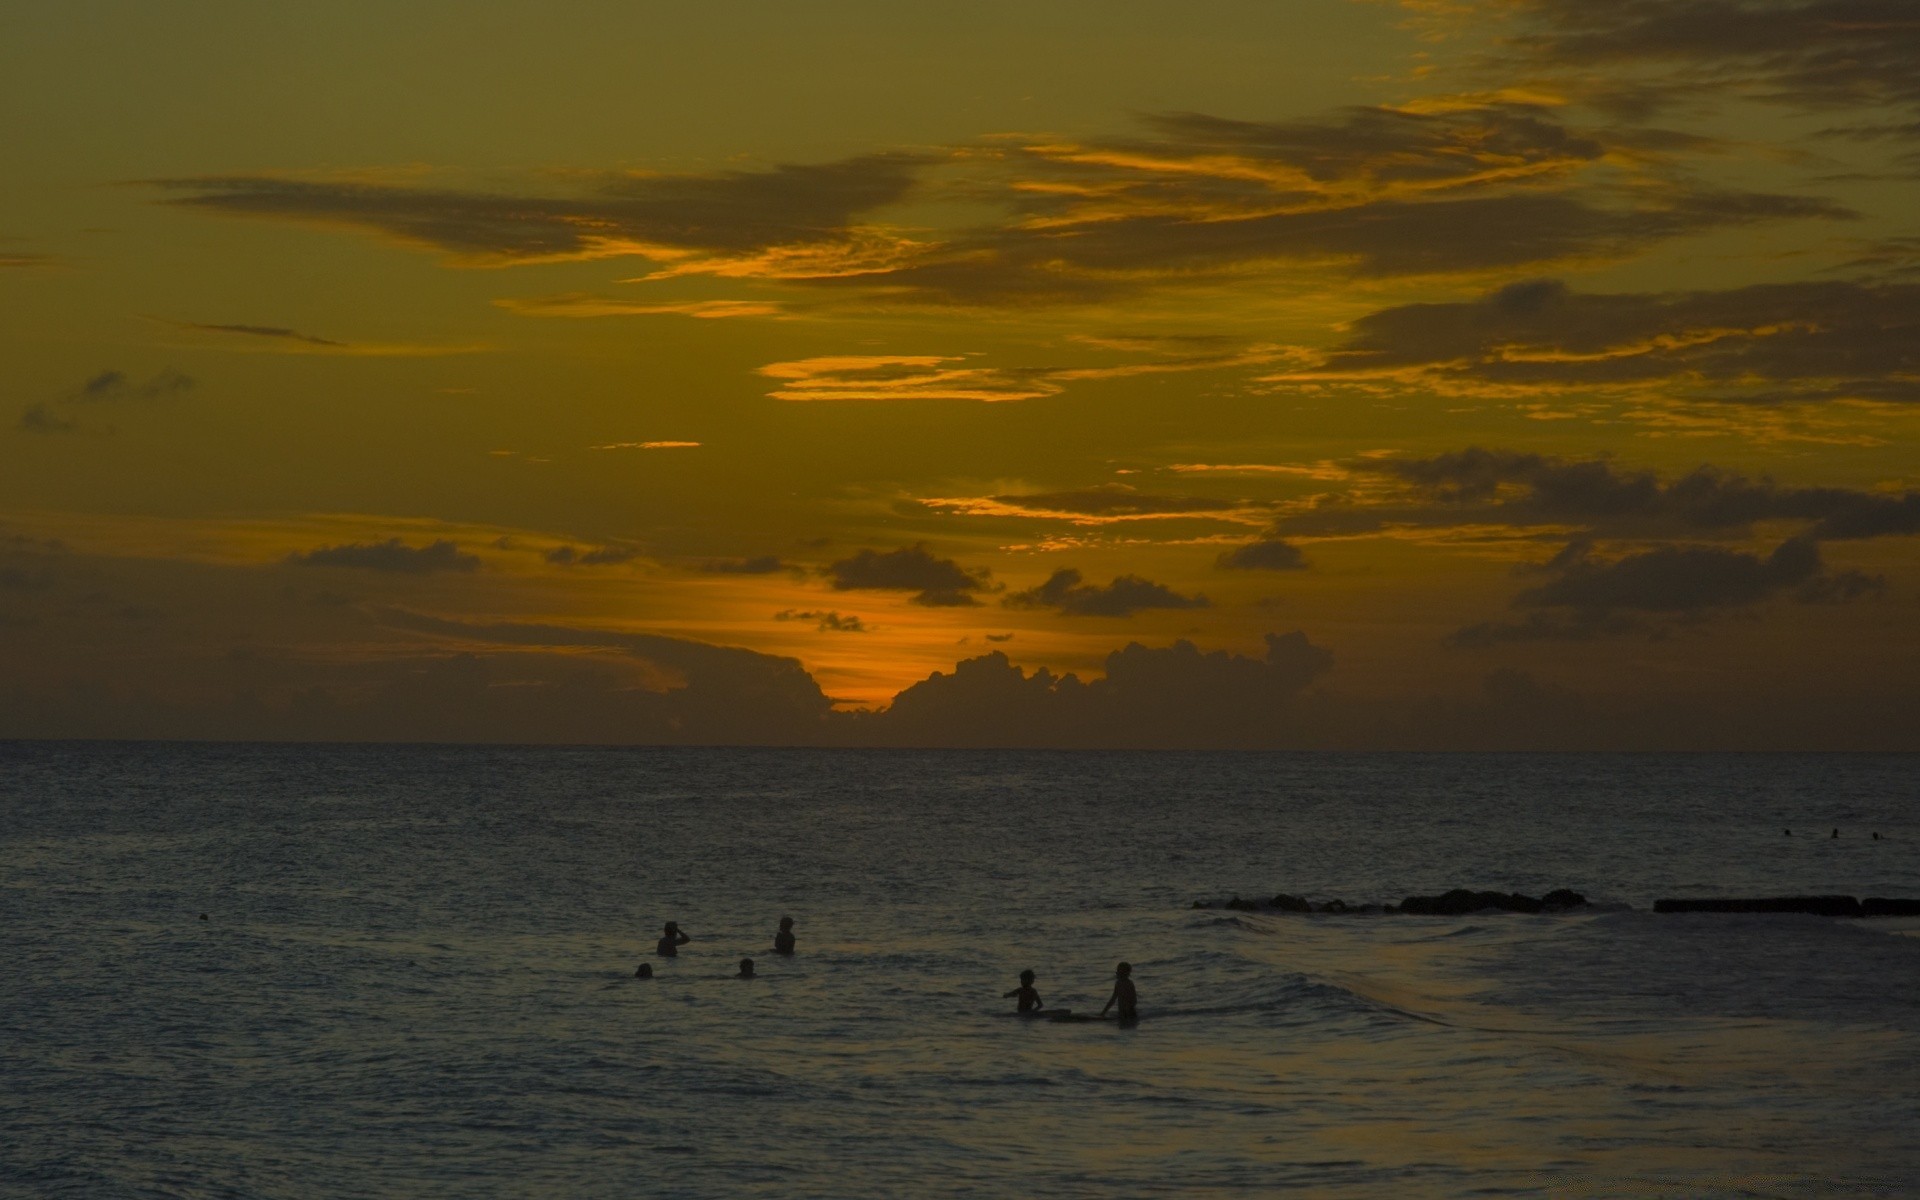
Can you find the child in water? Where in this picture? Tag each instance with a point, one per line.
(1029, 998)
(746, 969)
(783, 941)
(1123, 994)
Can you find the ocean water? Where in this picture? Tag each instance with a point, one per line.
(414, 978)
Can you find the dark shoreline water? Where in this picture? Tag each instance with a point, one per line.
(415, 973)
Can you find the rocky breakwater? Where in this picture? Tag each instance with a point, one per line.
(1458, 902)
(1819, 906)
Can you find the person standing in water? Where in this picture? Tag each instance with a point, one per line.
(1029, 998)
(783, 941)
(669, 945)
(1123, 995)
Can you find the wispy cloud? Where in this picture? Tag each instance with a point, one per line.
(804, 210)
(938, 377)
(586, 304)
(664, 445)
(1765, 343)
(1469, 186)
(293, 341)
(902, 377)
(1105, 505)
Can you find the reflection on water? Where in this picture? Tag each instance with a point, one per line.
(416, 975)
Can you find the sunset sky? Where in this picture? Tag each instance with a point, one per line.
(1450, 373)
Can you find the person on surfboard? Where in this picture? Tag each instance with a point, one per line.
(783, 941)
(1123, 995)
(1029, 998)
(669, 945)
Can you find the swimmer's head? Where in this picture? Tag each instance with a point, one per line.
(1026, 977)
(673, 927)
(786, 922)
(643, 971)
(1123, 970)
(746, 968)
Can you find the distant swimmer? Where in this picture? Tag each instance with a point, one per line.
(746, 969)
(1029, 998)
(783, 941)
(1836, 833)
(1123, 995)
(1876, 837)
(669, 946)
(643, 971)
(1786, 833)
(203, 916)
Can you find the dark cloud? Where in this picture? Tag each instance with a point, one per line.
(1175, 696)
(939, 582)
(654, 216)
(1383, 238)
(1585, 626)
(1064, 592)
(765, 564)
(826, 622)
(1763, 343)
(1375, 191)
(1478, 486)
(600, 556)
(1673, 579)
(392, 555)
(695, 692)
(1590, 597)
(117, 386)
(39, 418)
(1270, 555)
(263, 331)
(1812, 54)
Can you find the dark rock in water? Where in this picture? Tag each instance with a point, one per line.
(1562, 898)
(1332, 906)
(1286, 903)
(1819, 906)
(1460, 901)
(1881, 906)
(1239, 905)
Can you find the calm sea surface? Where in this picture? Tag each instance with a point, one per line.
(415, 975)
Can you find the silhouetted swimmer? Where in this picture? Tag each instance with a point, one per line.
(783, 941)
(1786, 833)
(1836, 833)
(1123, 995)
(1876, 837)
(203, 916)
(643, 971)
(669, 946)
(1029, 998)
(746, 968)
